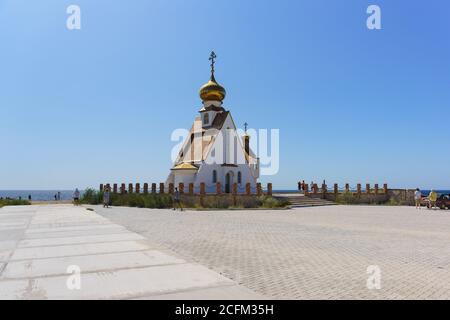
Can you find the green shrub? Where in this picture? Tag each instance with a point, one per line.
(14, 202)
(91, 196)
(346, 198)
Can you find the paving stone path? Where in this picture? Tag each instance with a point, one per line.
(310, 253)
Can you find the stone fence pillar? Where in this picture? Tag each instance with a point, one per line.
(358, 188)
(191, 189)
(115, 188)
(122, 188)
(368, 188)
(376, 188)
(145, 188)
(130, 188)
(336, 188)
(218, 188)
(248, 189)
(161, 188)
(269, 189)
(315, 188)
(347, 187)
(171, 188)
(153, 187)
(385, 187)
(100, 187)
(235, 187)
(258, 189)
(202, 189)
(181, 187)
(138, 187)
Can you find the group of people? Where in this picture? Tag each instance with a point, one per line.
(302, 186)
(432, 198)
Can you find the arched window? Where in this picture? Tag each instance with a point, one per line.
(214, 176)
(239, 177)
(206, 118)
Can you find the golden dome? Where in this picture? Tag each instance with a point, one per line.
(212, 91)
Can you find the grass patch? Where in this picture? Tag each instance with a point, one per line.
(13, 202)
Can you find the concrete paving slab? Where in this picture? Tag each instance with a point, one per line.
(122, 284)
(87, 264)
(79, 240)
(63, 234)
(77, 250)
(108, 226)
(218, 293)
(114, 262)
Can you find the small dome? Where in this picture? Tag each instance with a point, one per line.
(212, 91)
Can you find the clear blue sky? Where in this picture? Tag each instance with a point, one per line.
(99, 104)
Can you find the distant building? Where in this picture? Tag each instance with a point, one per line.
(213, 152)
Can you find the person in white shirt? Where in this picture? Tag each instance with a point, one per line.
(417, 198)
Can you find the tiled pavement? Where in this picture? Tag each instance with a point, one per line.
(40, 244)
(310, 253)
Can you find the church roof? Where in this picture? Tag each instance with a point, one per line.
(185, 166)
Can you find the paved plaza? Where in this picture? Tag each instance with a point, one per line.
(310, 253)
(304, 253)
(67, 252)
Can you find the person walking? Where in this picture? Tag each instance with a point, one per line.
(106, 198)
(76, 197)
(432, 197)
(176, 200)
(299, 186)
(417, 198)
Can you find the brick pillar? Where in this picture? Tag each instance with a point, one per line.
(122, 188)
(234, 190)
(161, 187)
(347, 187)
(376, 188)
(100, 187)
(191, 189)
(315, 188)
(130, 188)
(115, 188)
(202, 189)
(336, 188)
(258, 189)
(171, 188)
(385, 187)
(181, 187)
(324, 188)
(153, 187)
(269, 189)
(145, 188)
(358, 188)
(218, 188)
(367, 188)
(248, 189)
(306, 189)
(138, 187)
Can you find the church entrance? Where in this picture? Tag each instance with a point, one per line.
(228, 182)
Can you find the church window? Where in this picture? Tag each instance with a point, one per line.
(214, 176)
(206, 118)
(239, 177)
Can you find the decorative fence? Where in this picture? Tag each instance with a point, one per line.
(184, 189)
(324, 189)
